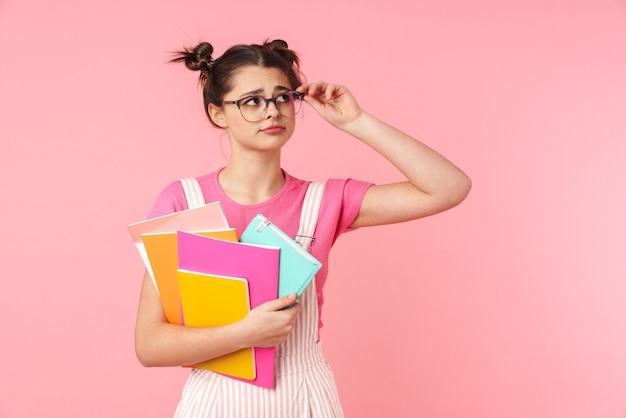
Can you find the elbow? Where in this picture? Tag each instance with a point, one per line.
(463, 188)
(145, 361)
(147, 356)
(457, 191)
(144, 358)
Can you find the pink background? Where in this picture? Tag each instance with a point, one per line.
(511, 305)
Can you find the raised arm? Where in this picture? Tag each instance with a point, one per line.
(433, 185)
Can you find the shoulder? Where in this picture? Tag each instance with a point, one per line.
(172, 197)
(170, 200)
(342, 199)
(332, 186)
(346, 190)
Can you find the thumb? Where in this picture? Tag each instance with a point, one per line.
(281, 303)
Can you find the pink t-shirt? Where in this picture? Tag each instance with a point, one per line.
(341, 203)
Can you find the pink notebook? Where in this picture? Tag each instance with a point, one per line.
(258, 264)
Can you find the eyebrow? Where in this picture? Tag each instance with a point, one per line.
(259, 91)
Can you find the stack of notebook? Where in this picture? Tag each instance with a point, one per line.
(207, 276)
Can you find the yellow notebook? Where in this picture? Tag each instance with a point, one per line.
(211, 300)
(162, 252)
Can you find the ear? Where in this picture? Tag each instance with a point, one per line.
(217, 115)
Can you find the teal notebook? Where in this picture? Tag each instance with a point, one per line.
(296, 266)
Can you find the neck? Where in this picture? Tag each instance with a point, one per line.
(252, 180)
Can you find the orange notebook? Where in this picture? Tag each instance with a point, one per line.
(210, 300)
(162, 253)
(203, 218)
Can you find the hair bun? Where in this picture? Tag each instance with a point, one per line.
(281, 48)
(276, 44)
(198, 58)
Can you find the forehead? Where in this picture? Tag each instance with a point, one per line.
(253, 78)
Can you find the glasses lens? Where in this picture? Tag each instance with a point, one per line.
(289, 104)
(253, 108)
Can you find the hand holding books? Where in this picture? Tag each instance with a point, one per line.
(209, 278)
(271, 322)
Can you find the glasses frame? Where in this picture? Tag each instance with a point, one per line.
(267, 104)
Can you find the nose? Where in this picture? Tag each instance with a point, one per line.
(272, 110)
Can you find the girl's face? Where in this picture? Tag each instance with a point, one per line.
(271, 132)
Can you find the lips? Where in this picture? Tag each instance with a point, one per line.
(273, 130)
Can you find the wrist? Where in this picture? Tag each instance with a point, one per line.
(359, 125)
(241, 336)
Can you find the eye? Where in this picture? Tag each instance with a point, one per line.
(284, 98)
(254, 101)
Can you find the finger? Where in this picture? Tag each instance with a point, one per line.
(280, 303)
(295, 308)
(333, 91)
(313, 89)
(304, 88)
(330, 92)
(325, 92)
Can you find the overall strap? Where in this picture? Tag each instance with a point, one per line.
(308, 218)
(310, 211)
(193, 192)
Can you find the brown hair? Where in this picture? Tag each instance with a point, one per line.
(216, 74)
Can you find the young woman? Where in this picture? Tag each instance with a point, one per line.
(253, 92)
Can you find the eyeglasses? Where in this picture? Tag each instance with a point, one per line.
(254, 108)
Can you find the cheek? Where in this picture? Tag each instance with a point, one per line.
(230, 118)
(291, 126)
(240, 133)
(293, 130)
